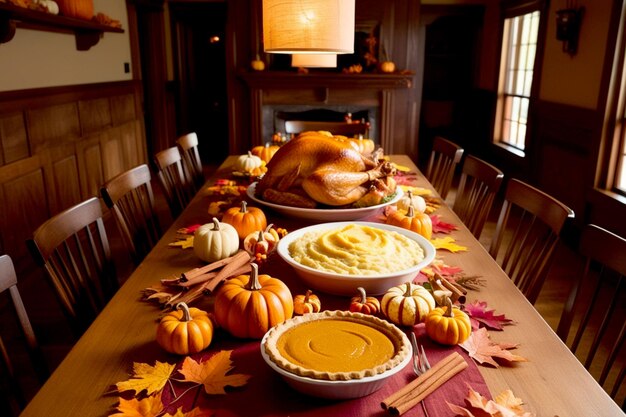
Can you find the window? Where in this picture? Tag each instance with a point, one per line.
(612, 163)
(519, 48)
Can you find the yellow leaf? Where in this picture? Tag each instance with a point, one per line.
(184, 243)
(146, 377)
(194, 412)
(416, 190)
(508, 400)
(448, 244)
(212, 373)
(402, 168)
(148, 407)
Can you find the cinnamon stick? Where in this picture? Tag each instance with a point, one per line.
(457, 293)
(210, 267)
(429, 381)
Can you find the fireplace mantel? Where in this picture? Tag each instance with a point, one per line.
(278, 88)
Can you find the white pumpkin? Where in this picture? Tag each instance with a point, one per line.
(419, 204)
(407, 304)
(248, 162)
(215, 241)
(51, 6)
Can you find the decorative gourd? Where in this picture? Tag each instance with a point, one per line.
(80, 9)
(364, 304)
(307, 303)
(261, 241)
(247, 306)
(265, 152)
(387, 66)
(448, 325)
(407, 304)
(248, 162)
(215, 241)
(419, 204)
(185, 330)
(257, 64)
(417, 222)
(245, 219)
(50, 6)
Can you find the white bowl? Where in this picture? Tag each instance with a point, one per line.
(323, 214)
(339, 389)
(344, 284)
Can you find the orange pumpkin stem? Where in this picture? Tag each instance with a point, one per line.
(185, 309)
(448, 312)
(244, 206)
(361, 291)
(306, 296)
(253, 283)
(411, 211)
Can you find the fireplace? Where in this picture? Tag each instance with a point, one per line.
(275, 94)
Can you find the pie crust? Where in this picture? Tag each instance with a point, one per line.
(337, 339)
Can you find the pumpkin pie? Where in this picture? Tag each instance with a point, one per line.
(336, 345)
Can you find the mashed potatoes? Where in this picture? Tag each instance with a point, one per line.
(356, 250)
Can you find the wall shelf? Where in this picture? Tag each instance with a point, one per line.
(87, 32)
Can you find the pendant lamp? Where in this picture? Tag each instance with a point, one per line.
(314, 60)
(308, 26)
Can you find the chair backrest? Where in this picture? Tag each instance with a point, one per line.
(8, 282)
(444, 158)
(526, 235)
(336, 128)
(74, 250)
(478, 186)
(172, 178)
(192, 164)
(130, 198)
(596, 310)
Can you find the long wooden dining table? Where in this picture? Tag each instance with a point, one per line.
(552, 382)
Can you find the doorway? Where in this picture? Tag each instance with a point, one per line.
(199, 50)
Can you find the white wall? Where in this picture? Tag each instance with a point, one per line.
(34, 59)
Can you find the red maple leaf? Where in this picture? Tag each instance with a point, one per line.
(480, 314)
(441, 227)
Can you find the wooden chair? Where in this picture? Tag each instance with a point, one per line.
(526, 235)
(479, 184)
(16, 399)
(192, 164)
(336, 128)
(444, 158)
(73, 248)
(172, 178)
(595, 309)
(130, 198)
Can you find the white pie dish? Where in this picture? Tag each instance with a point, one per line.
(344, 284)
(324, 214)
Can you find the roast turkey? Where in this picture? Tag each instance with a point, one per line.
(314, 169)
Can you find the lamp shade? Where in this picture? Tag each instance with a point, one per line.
(308, 26)
(314, 60)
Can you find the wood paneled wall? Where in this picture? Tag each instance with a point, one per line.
(58, 146)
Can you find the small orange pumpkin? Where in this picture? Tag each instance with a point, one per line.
(185, 330)
(245, 219)
(417, 222)
(265, 152)
(387, 67)
(247, 306)
(307, 303)
(257, 64)
(364, 304)
(448, 325)
(79, 9)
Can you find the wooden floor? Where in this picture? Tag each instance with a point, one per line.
(56, 339)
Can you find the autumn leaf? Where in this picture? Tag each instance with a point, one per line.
(402, 168)
(440, 226)
(148, 407)
(440, 267)
(448, 244)
(504, 405)
(183, 243)
(480, 314)
(480, 347)
(212, 373)
(147, 377)
(189, 230)
(416, 190)
(195, 412)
